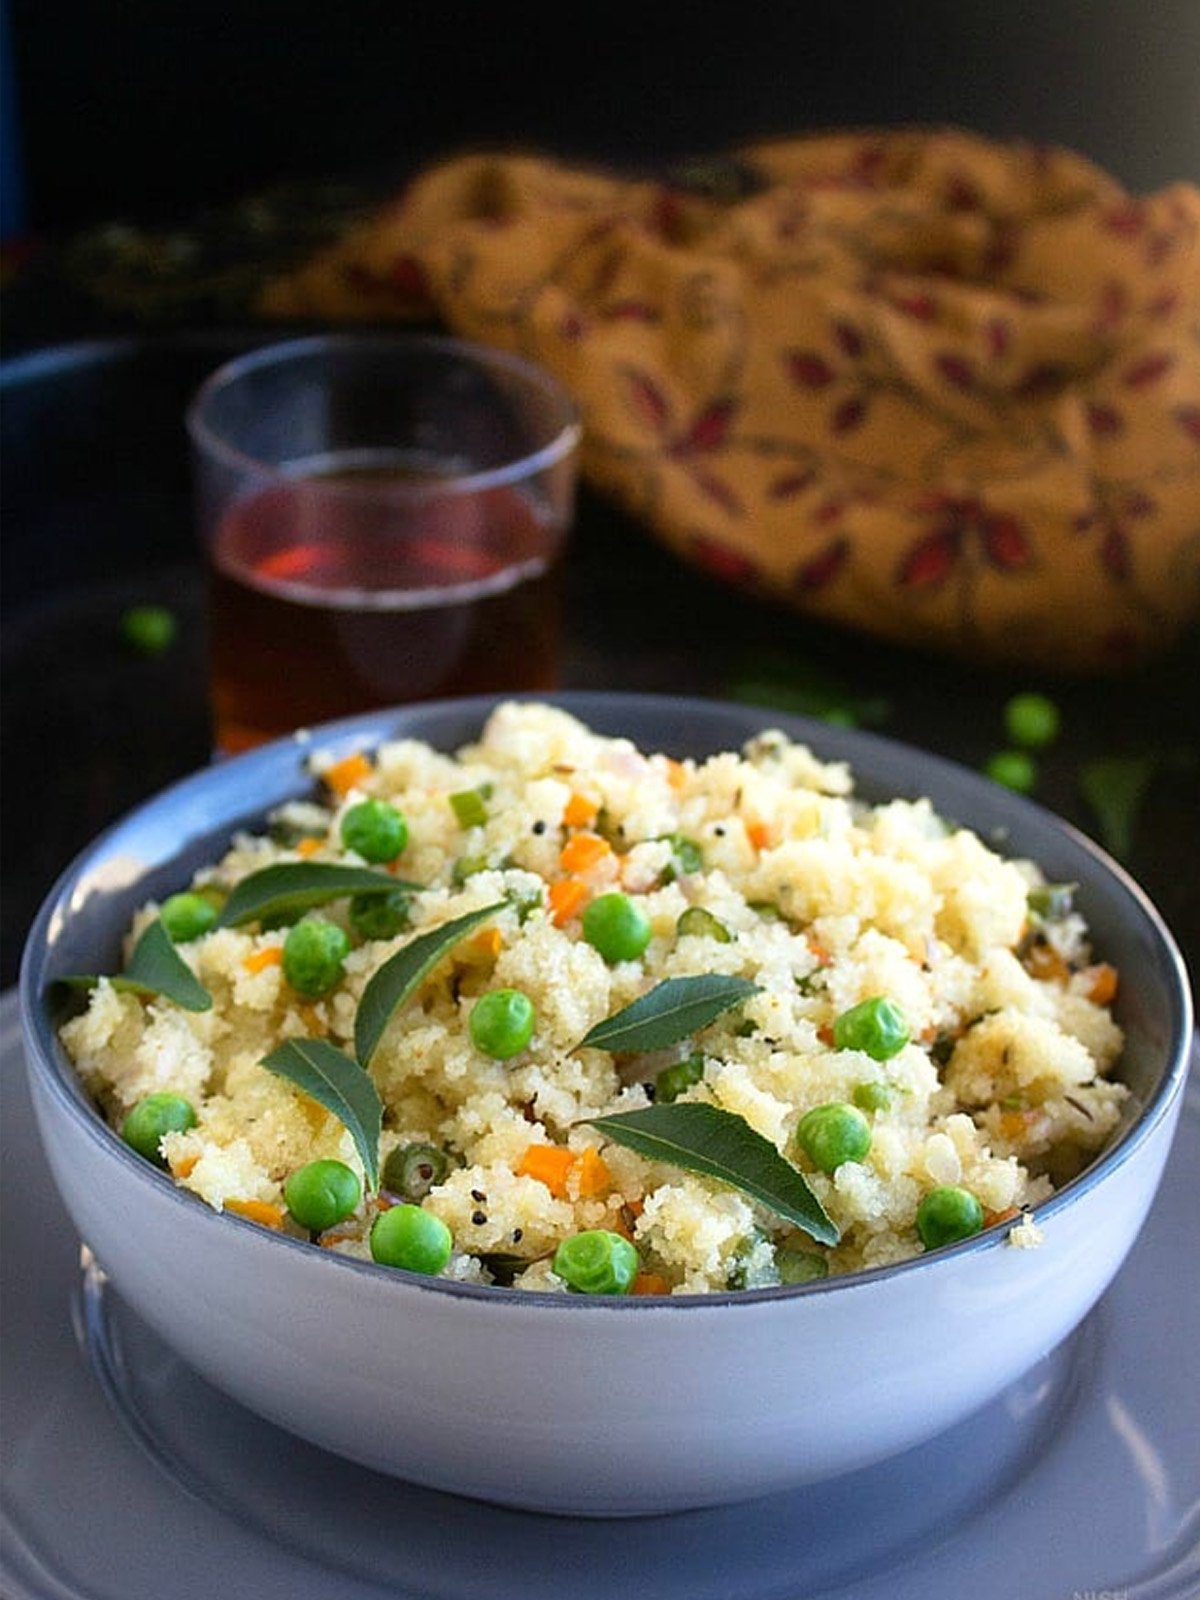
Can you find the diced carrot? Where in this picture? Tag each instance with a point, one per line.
(1102, 990)
(758, 834)
(992, 1218)
(825, 1033)
(582, 851)
(259, 960)
(676, 773)
(308, 847)
(488, 942)
(594, 1176)
(314, 1112)
(260, 1211)
(1044, 961)
(630, 1211)
(580, 811)
(1015, 1124)
(567, 897)
(549, 1164)
(345, 774)
(649, 1283)
(819, 952)
(186, 1165)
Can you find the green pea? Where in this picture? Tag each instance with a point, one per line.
(1013, 769)
(412, 1170)
(673, 1080)
(321, 1194)
(596, 1262)
(406, 1236)
(148, 629)
(702, 924)
(617, 927)
(947, 1214)
(374, 830)
(686, 856)
(313, 953)
(1031, 721)
(800, 1266)
(832, 1134)
(154, 1117)
(872, 1096)
(186, 916)
(380, 916)
(876, 1027)
(502, 1023)
(1051, 902)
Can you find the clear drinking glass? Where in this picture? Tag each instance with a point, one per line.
(384, 520)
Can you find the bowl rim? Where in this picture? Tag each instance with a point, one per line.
(48, 1063)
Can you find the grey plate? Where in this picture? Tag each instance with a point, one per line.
(125, 1476)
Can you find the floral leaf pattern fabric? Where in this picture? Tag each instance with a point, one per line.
(936, 387)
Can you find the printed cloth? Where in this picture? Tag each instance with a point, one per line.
(925, 384)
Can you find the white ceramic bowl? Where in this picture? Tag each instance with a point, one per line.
(564, 1403)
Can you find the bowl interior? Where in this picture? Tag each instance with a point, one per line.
(155, 850)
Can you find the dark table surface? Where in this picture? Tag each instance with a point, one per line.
(96, 517)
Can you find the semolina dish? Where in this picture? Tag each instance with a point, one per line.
(858, 1032)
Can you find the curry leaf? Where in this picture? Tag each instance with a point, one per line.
(331, 1077)
(392, 984)
(719, 1144)
(669, 1012)
(155, 967)
(290, 888)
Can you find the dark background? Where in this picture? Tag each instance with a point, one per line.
(150, 108)
(153, 111)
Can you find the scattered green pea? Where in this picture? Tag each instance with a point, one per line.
(832, 1134)
(800, 1266)
(947, 1214)
(596, 1262)
(1014, 769)
(380, 916)
(406, 1236)
(321, 1194)
(617, 927)
(313, 954)
(875, 1026)
(374, 830)
(701, 923)
(412, 1170)
(872, 1096)
(150, 630)
(152, 1118)
(673, 1080)
(502, 1023)
(186, 916)
(1031, 721)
